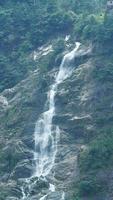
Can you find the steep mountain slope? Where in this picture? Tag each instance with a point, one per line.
(83, 102)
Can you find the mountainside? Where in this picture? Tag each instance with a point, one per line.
(56, 100)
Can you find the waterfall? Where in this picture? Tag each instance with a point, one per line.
(45, 142)
(45, 137)
(63, 196)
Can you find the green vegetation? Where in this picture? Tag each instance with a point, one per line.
(26, 25)
(98, 155)
(92, 162)
(96, 161)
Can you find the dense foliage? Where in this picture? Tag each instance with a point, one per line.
(27, 24)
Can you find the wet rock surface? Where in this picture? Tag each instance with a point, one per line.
(22, 105)
(75, 117)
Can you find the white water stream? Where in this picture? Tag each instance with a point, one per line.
(45, 137)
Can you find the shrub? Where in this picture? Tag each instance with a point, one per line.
(88, 187)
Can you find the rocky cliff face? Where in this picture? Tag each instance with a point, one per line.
(20, 108)
(82, 104)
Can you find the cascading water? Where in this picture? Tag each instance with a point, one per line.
(63, 196)
(45, 138)
(45, 142)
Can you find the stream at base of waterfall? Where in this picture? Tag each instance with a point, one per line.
(46, 138)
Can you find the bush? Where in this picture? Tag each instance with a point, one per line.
(88, 187)
(59, 46)
(99, 155)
